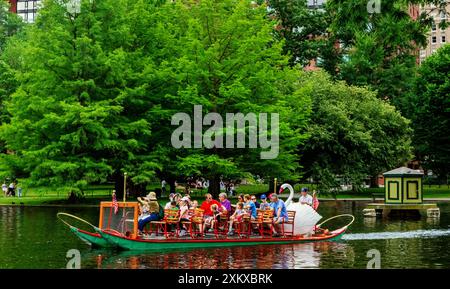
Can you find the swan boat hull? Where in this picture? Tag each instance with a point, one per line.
(140, 244)
(93, 239)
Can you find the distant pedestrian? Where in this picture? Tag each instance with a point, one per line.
(230, 189)
(5, 189)
(12, 189)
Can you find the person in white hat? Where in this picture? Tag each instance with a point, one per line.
(150, 210)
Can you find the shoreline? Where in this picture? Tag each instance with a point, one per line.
(426, 200)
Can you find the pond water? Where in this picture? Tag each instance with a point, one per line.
(32, 237)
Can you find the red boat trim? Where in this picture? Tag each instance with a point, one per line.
(280, 239)
(89, 233)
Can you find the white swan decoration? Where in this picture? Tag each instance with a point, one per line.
(305, 216)
(291, 195)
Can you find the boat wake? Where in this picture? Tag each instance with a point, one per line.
(397, 235)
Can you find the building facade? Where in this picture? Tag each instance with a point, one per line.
(437, 36)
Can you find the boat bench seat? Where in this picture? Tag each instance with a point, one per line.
(291, 222)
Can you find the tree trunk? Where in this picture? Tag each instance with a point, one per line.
(136, 190)
(171, 182)
(118, 185)
(133, 190)
(214, 187)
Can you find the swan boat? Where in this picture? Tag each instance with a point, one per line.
(118, 228)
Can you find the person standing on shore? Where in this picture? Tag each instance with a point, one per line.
(5, 189)
(11, 189)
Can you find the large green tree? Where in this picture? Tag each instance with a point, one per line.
(225, 59)
(305, 31)
(73, 121)
(354, 134)
(428, 106)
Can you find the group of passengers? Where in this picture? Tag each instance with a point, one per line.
(246, 207)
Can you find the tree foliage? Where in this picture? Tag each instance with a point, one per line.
(72, 120)
(353, 133)
(362, 47)
(428, 106)
(227, 61)
(10, 24)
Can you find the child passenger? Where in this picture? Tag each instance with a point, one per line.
(236, 217)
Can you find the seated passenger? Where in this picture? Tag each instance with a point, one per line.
(171, 198)
(264, 205)
(206, 205)
(305, 198)
(184, 215)
(226, 204)
(236, 217)
(280, 213)
(151, 207)
(239, 200)
(194, 205)
(250, 207)
(255, 201)
(173, 206)
(210, 220)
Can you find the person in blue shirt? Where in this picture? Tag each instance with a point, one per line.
(264, 204)
(250, 206)
(280, 213)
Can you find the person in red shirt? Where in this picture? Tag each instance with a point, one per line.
(208, 214)
(206, 205)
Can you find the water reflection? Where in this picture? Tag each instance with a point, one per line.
(433, 221)
(370, 222)
(308, 255)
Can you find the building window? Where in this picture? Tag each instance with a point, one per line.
(315, 4)
(433, 39)
(443, 40)
(27, 9)
(443, 15)
(433, 26)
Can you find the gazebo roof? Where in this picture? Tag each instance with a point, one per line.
(403, 171)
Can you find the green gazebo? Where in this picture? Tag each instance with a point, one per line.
(403, 196)
(403, 186)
